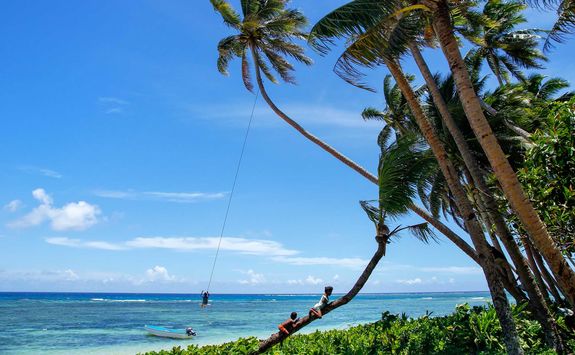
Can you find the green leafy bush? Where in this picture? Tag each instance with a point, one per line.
(548, 173)
(469, 330)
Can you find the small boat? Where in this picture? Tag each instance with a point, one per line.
(170, 332)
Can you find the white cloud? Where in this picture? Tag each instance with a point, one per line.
(42, 196)
(13, 206)
(159, 273)
(112, 100)
(182, 197)
(313, 280)
(77, 243)
(41, 171)
(453, 269)
(253, 278)
(40, 275)
(73, 216)
(309, 280)
(112, 105)
(415, 281)
(335, 277)
(241, 245)
(155, 275)
(307, 114)
(342, 262)
(70, 275)
(114, 110)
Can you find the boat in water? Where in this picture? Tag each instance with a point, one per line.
(164, 332)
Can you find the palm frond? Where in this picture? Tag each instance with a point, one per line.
(280, 65)
(564, 26)
(371, 113)
(246, 73)
(351, 19)
(228, 48)
(422, 232)
(389, 39)
(400, 167)
(373, 213)
(383, 137)
(229, 15)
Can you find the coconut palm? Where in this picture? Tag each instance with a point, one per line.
(359, 19)
(267, 31)
(504, 173)
(383, 43)
(497, 41)
(396, 113)
(400, 166)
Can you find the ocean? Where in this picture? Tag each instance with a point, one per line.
(112, 323)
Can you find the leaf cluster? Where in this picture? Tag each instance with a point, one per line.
(548, 173)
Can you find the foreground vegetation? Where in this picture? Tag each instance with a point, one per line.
(469, 330)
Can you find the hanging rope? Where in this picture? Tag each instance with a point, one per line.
(233, 188)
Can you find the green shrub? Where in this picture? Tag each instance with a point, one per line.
(469, 330)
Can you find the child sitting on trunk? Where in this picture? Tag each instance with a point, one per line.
(316, 310)
(289, 324)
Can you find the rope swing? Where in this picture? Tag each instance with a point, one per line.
(232, 192)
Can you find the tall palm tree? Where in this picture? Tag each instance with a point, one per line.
(361, 16)
(485, 200)
(497, 41)
(368, 49)
(268, 30)
(504, 173)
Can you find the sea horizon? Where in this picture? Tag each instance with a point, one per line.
(242, 293)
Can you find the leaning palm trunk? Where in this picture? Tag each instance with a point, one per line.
(503, 171)
(486, 259)
(485, 198)
(276, 338)
(537, 272)
(452, 236)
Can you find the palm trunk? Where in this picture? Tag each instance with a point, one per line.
(276, 338)
(486, 259)
(537, 273)
(549, 278)
(488, 204)
(451, 235)
(501, 167)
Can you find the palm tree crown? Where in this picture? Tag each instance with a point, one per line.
(505, 49)
(267, 30)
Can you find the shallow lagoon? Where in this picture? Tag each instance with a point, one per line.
(97, 323)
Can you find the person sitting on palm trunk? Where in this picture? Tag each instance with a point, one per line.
(316, 310)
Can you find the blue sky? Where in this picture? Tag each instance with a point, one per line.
(120, 144)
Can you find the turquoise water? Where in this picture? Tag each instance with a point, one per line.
(97, 323)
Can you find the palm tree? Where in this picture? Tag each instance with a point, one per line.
(368, 49)
(498, 42)
(486, 202)
(504, 173)
(361, 17)
(400, 166)
(268, 28)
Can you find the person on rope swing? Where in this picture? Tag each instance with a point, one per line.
(289, 324)
(316, 310)
(205, 298)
